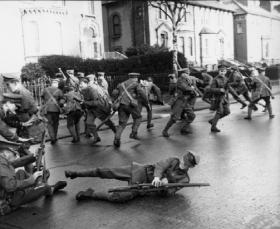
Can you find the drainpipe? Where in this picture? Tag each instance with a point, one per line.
(195, 41)
(201, 56)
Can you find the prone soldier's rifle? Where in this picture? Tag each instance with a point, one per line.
(148, 188)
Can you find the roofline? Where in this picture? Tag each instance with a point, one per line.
(207, 6)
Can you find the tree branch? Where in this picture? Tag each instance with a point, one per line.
(151, 3)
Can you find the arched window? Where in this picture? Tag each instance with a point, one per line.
(116, 25)
(90, 43)
(164, 39)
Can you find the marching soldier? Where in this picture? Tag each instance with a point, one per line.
(97, 107)
(19, 187)
(74, 112)
(238, 84)
(170, 170)
(261, 90)
(126, 97)
(219, 88)
(149, 87)
(53, 100)
(183, 104)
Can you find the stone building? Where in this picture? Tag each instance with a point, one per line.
(30, 29)
(205, 34)
(257, 31)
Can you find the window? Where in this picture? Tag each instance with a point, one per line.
(166, 11)
(164, 39)
(239, 28)
(116, 26)
(139, 12)
(91, 7)
(181, 45)
(89, 44)
(56, 38)
(190, 46)
(159, 12)
(31, 39)
(206, 47)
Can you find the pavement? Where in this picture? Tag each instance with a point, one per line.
(242, 164)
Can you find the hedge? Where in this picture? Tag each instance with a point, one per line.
(152, 63)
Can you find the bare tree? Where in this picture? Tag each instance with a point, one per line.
(175, 11)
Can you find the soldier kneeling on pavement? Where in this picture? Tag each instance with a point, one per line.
(19, 187)
(170, 170)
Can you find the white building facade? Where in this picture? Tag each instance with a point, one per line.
(31, 29)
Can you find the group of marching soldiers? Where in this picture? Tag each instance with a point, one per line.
(88, 96)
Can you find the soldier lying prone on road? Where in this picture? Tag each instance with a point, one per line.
(153, 176)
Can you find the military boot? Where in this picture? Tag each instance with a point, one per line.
(214, 122)
(117, 142)
(269, 109)
(249, 116)
(133, 135)
(85, 195)
(168, 125)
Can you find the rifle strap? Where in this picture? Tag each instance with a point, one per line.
(52, 98)
(126, 92)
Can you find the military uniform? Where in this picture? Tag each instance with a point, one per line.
(135, 174)
(148, 88)
(52, 97)
(4, 128)
(128, 105)
(97, 107)
(219, 88)
(237, 83)
(260, 92)
(74, 113)
(183, 104)
(16, 188)
(26, 110)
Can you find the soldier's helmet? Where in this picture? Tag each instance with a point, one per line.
(191, 158)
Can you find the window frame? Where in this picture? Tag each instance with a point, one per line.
(114, 33)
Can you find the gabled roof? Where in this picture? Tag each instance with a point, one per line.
(255, 11)
(214, 4)
(207, 30)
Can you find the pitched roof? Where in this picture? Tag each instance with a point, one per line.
(214, 4)
(255, 11)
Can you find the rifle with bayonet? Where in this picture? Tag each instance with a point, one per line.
(147, 187)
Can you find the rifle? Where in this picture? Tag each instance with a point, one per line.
(105, 120)
(72, 82)
(147, 187)
(40, 155)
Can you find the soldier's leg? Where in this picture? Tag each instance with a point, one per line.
(56, 123)
(238, 99)
(71, 126)
(115, 197)
(123, 118)
(268, 106)
(77, 123)
(149, 116)
(251, 107)
(122, 173)
(136, 116)
(50, 127)
(247, 96)
(176, 111)
(190, 118)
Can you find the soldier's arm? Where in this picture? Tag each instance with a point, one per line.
(163, 165)
(92, 101)
(214, 87)
(11, 184)
(115, 93)
(24, 160)
(157, 91)
(142, 93)
(6, 133)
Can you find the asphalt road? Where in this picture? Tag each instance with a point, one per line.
(242, 164)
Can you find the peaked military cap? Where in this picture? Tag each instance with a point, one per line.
(100, 73)
(133, 74)
(11, 76)
(222, 67)
(192, 158)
